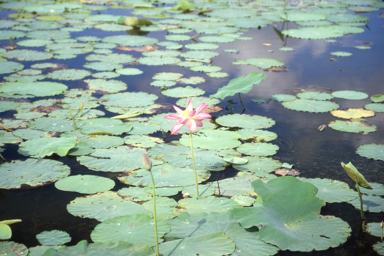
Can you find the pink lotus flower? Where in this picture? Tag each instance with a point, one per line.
(188, 116)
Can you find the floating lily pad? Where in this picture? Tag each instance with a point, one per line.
(191, 80)
(53, 237)
(236, 186)
(128, 99)
(112, 58)
(206, 205)
(167, 76)
(139, 194)
(111, 86)
(240, 84)
(312, 106)
(102, 66)
(196, 101)
(129, 71)
(376, 107)
(68, 74)
(302, 16)
(374, 228)
(166, 175)
(313, 33)
(258, 149)
(135, 229)
(164, 207)
(352, 113)
(352, 126)
(142, 141)
(104, 206)
(341, 54)
(283, 97)
(300, 228)
(31, 89)
(85, 184)
(119, 159)
(257, 135)
(181, 92)
(378, 98)
(46, 146)
(333, 191)
(216, 39)
(245, 121)
(12, 248)
(315, 96)
(7, 67)
(263, 63)
(213, 139)
(130, 40)
(373, 151)
(350, 95)
(27, 55)
(158, 61)
(371, 203)
(206, 69)
(31, 173)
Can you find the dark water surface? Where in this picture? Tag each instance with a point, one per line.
(315, 154)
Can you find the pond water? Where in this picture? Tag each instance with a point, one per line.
(315, 154)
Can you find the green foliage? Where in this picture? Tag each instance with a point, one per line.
(355, 175)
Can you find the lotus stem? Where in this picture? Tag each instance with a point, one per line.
(10, 39)
(361, 202)
(381, 234)
(194, 167)
(154, 213)
(5, 128)
(241, 101)
(72, 118)
(381, 229)
(81, 108)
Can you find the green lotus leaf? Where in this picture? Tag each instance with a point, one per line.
(97, 141)
(302, 16)
(355, 175)
(192, 80)
(216, 39)
(313, 33)
(71, 48)
(5, 231)
(332, 191)
(315, 96)
(205, 190)
(140, 128)
(196, 101)
(350, 95)
(135, 229)
(142, 141)
(256, 135)
(378, 189)
(312, 106)
(205, 205)
(199, 55)
(85, 184)
(341, 54)
(181, 92)
(8, 137)
(378, 98)
(158, 61)
(161, 53)
(46, 146)
(283, 97)
(252, 22)
(300, 228)
(371, 203)
(129, 40)
(6, 34)
(8, 105)
(103, 66)
(247, 243)
(139, 194)
(263, 63)
(81, 149)
(258, 149)
(128, 99)
(245, 121)
(374, 228)
(118, 248)
(373, 151)
(377, 107)
(166, 175)
(27, 55)
(352, 126)
(32, 173)
(104, 206)
(7, 67)
(168, 76)
(199, 245)
(236, 186)
(260, 166)
(68, 74)
(119, 159)
(111, 86)
(112, 58)
(240, 84)
(49, 124)
(164, 207)
(53, 237)
(213, 139)
(202, 46)
(163, 84)
(31, 89)
(346, 17)
(206, 69)
(12, 248)
(129, 71)
(235, 160)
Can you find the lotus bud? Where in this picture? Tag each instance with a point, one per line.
(146, 162)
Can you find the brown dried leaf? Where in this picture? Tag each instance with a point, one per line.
(278, 69)
(213, 109)
(312, 88)
(145, 48)
(48, 109)
(286, 171)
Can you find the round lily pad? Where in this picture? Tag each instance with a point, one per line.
(158, 61)
(68, 74)
(258, 149)
(259, 166)
(168, 76)
(27, 55)
(207, 205)
(104, 206)
(130, 40)
(8, 105)
(350, 95)
(314, 33)
(31, 89)
(341, 54)
(373, 151)
(128, 99)
(196, 101)
(135, 229)
(111, 86)
(376, 107)
(212, 139)
(46, 146)
(352, 113)
(245, 121)
(216, 39)
(283, 97)
(7, 67)
(263, 63)
(112, 58)
(315, 95)
(53, 237)
(31, 173)
(85, 184)
(181, 92)
(257, 135)
(12, 248)
(352, 126)
(371, 203)
(102, 66)
(313, 106)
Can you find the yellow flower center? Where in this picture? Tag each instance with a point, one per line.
(185, 113)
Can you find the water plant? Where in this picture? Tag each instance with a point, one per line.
(193, 119)
(360, 181)
(147, 164)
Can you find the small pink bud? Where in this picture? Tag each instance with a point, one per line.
(146, 162)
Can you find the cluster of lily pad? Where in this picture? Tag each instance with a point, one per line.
(219, 218)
